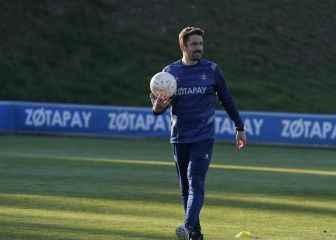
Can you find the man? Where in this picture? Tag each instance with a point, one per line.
(199, 83)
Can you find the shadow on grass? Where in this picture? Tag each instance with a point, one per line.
(161, 199)
(47, 230)
(143, 181)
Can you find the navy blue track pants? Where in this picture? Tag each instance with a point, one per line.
(192, 163)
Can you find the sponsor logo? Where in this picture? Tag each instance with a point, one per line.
(301, 128)
(190, 91)
(44, 117)
(127, 121)
(253, 126)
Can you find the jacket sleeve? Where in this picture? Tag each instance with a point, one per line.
(226, 99)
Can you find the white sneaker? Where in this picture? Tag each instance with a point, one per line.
(181, 232)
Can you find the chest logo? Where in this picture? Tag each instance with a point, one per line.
(191, 90)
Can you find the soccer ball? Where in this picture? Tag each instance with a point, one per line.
(163, 83)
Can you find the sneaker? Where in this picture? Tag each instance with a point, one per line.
(181, 233)
(195, 236)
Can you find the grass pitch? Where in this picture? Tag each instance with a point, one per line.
(118, 189)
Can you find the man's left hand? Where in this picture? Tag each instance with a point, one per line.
(240, 139)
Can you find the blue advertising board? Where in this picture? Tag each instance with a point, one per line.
(7, 121)
(69, 119)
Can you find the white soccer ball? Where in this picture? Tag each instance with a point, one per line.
(163, 83)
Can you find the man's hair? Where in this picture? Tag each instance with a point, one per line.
(187, 32)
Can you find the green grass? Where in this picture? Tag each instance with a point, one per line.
(85, 188)
(276, 55)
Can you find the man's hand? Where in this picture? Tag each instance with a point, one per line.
(160, 103)
(240, 139)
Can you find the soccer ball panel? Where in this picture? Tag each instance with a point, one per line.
(163, 83)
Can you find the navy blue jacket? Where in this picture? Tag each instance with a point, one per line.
(199, 87)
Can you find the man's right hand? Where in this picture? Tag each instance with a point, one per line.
(160, 103)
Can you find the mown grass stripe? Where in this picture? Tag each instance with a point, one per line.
(162, 163)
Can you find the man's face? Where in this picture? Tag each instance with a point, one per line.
(194, 47)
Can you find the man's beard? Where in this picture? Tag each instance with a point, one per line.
(197, 55)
